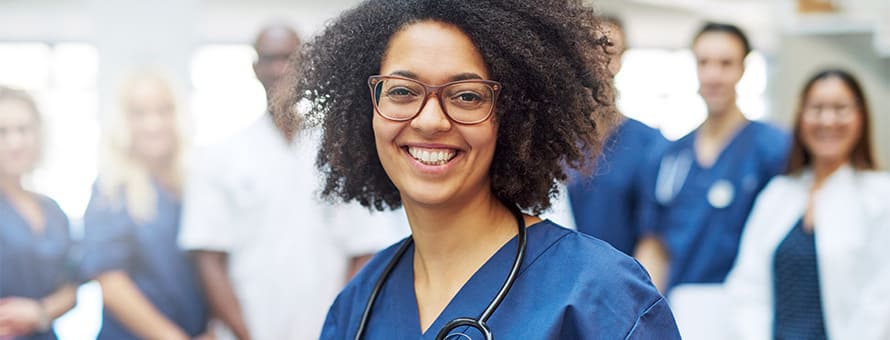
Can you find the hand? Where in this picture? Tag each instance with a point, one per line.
(19, 316)
(205, 336)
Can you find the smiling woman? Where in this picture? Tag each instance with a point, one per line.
(474, 110)
(131, 224)
(35, 285)
(812, 259)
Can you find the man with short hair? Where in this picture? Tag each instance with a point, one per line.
(707, 181)
(270, 254)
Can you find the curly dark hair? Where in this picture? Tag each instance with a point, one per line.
(555, 109)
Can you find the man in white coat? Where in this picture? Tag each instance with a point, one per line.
(270, 254)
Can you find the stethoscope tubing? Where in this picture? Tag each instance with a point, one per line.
(480, 323)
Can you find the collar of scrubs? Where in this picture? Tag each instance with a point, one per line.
(398, 292)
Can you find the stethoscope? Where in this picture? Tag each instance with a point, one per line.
(672, 174)
(477, 323)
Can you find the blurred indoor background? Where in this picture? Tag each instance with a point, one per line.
(71, 53)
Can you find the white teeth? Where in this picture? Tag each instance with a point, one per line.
(431, 157)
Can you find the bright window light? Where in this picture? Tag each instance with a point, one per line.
(226, 96)
(659, 87)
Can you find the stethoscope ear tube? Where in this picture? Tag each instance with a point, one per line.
(366, 314)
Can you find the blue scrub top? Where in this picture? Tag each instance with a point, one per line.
(34, 265)
(571, 286)
(605, 204)
(701, 237)
(149, 254)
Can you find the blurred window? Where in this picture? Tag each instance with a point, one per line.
(659, 87)
(62, 78)
(226, 96)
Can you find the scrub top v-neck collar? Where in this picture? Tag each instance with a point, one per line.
(727, 148)
(470, 300)
(43, 233)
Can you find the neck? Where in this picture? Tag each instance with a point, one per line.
(822, 169)
(722, 125)
(11, 185)
(475, 229)
(163, 171)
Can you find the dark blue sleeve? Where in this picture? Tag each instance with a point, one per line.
(777, 154)
(657, 322)
(333, 326)
(107, 237)
(636, 310)
(646, 204)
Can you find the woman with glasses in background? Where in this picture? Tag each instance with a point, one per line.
(464, 112)
(35, 282)
(149, 287)
(812, 263)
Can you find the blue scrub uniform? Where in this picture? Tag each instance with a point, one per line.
(34, 265)
(149, 254)
(699, 213)
(571, 286)
(605, 204)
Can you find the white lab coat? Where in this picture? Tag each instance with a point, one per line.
(852, 221)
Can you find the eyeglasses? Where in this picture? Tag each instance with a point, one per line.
(839, 111)
(465, 101)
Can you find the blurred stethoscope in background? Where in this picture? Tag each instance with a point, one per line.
(477, 323)
(673, 173)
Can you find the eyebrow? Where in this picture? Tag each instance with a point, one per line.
(457, 77)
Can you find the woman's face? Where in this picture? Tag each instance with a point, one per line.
(831, 121)
(458, 156)
(151, 118)
(19, 138)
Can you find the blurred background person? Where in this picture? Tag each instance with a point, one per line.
(812, 263)
(604, 204)
(706, 181)
(36, 283)
(149, 287)
(271, 255)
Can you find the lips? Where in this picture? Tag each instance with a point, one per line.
(432, 156)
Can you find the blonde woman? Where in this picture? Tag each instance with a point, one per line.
(35, 287)
(132, 222)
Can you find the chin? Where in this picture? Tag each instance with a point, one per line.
(831, 157)
(427, 198)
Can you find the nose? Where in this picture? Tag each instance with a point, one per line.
(828, 118)
(431, 119)
(12, 138)
(709, 76)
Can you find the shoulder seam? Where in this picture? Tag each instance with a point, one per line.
(535, 259)
(645, 311)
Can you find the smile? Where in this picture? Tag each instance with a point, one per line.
(429, 156)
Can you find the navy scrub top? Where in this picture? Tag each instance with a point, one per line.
(149, 254)
(605, 204)
(570, 286)
(34, 265)
(699, 213)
